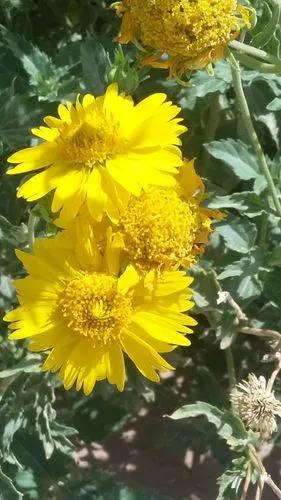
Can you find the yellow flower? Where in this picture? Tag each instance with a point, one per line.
(81, 304)
(181, 34)
(165, 228)
(99, 151)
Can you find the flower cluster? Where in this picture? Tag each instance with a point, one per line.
(181, 35)
(112, 282)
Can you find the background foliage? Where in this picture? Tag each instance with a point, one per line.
(49, 51)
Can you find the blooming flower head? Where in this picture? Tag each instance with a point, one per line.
(165, 228)
(256, 406)
(82, 305)
(99, 151)
(181, 34)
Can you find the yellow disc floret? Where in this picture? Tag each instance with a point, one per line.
(90, 143)
(166, 228)
(159, 229)
(190, 32)
(93, 307)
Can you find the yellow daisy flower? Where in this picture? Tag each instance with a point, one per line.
(99, 151)
(81, 304)
(181, 34)
(165, 228)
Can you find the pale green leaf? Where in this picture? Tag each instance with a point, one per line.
(235, 155)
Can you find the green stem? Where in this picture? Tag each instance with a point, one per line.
(253, 63)
(252, 135)
(30, 230)
(254, 52)
(230, 367)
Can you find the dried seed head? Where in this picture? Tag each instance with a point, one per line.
(256, 406)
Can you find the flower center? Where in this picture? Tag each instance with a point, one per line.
(184, 27)
(91, 142)
(93, 307)
(159, 228)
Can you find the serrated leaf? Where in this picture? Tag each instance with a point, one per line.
(31, 365)
(43, 417)
(229, 427)
(247, 202)
(8, 490)
(239, 235)
(241, 278)
(237, 156)
(205, 84)
(9, 430)
(14, 235)
(205, 291)
(226, 330)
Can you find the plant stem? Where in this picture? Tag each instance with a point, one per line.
(253, 63)
(274, 374)
(230, 367)
(247, 482)
(258, 332)
(247, 120)
(254, 52)
(30, 230)
(259, 491)
(272, 485)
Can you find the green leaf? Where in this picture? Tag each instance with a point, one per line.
(205, 290)
(239, 235)
(30, 365)
(274, 259)
(241, 278)
(226, 330)
(268, 31)
(229, 482)
(236, 156)
(205, 84)
(44, 414)
(95, 64)
(275, 105)
(229, 427)
(12, 234)
(8, 491)
(247, 202)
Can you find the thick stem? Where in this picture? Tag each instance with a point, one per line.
(254, 52)
(252, 135)
(272, 485)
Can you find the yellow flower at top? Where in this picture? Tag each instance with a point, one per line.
(81, 304)
(165, 228)
(181, 34)
(99, 151)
